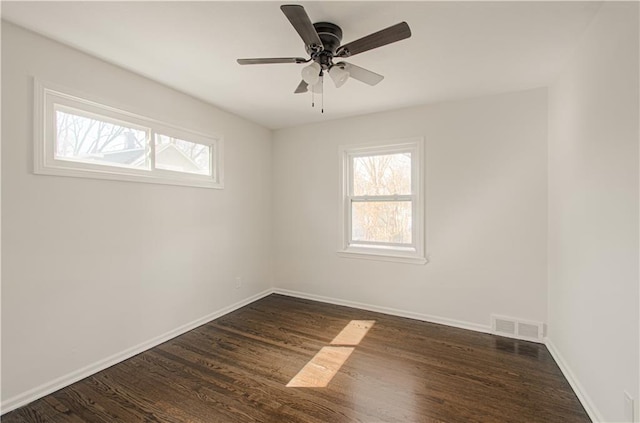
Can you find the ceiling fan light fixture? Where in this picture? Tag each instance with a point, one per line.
(322, 42)
(311, 73)
(339, 75)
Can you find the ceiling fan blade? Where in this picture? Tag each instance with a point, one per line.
(302, 87)
(377, 39)
(270, 60)
(301, 22)
(361, 74)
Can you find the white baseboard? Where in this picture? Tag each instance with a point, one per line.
(66, 380)
(580, 392)
(387, 310)
(584, 399)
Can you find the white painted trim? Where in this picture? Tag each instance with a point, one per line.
(387, 310)
(48, 96)
(580, 392)
(414, 253)
(66, 380)
(382, 257)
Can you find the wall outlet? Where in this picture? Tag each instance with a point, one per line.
(629, 408)
(238, 282)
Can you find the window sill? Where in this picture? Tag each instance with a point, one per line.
(366, 255)
(67, 168)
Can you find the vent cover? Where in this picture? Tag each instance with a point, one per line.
(505, 326)
(528, 330)
(517, 328)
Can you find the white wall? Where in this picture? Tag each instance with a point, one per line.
(593, 212)
(93, 267)
(486, 206)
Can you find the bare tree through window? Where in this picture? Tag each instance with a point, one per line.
(378, 214)
(90, 140)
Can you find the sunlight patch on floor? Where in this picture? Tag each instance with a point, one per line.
(318, 372)
(353, 333)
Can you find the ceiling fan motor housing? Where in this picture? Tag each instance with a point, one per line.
(331, 37)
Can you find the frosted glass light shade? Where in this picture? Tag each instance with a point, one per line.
(311, 73)
(338, 75)
(317, 87)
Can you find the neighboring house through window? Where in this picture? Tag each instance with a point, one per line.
(83, 138)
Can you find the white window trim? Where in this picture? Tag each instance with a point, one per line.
(48, 95)
(415, 253)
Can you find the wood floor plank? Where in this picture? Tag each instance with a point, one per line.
(236, 368)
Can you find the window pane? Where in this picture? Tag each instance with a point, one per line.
(387, 174)
(89, 140)
(182, 156)
(381, 221)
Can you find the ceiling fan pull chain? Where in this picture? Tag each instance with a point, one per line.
(313, 103)
(321, 82)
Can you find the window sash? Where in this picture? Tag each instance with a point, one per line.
(57, 107)
(378, 152)
(388, 251)
(154, 146)
(411, 246)
(350, 198)
(151, 140)
(49, 98)
(366, 198)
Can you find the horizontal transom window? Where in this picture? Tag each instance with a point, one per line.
(83, 138)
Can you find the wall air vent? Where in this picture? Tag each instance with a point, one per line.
(503, 326)
(517, 328)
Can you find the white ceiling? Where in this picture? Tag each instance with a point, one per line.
(458, 49)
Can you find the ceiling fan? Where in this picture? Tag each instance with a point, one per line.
(322, 42)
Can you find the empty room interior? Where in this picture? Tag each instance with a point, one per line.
(356, 211)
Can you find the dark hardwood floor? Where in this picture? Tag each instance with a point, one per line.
(235, 369)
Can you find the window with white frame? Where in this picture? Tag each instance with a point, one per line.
(382, 207)
(75, 136)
